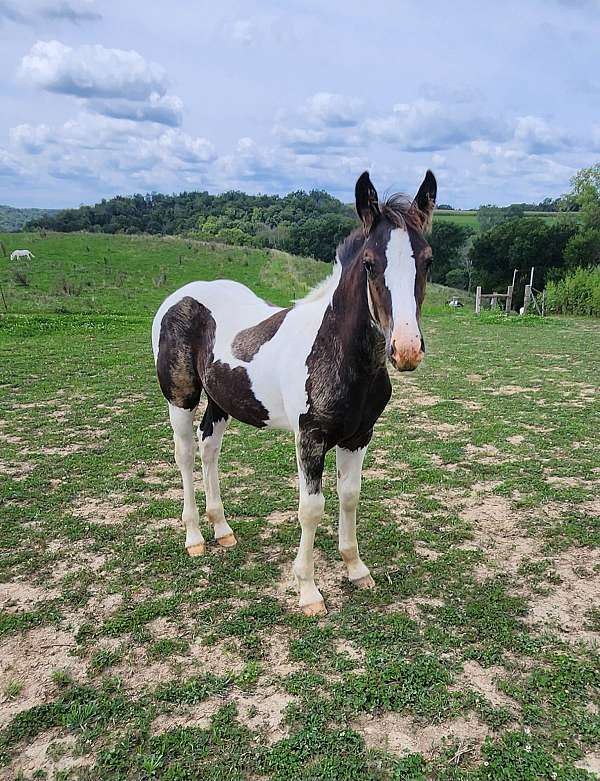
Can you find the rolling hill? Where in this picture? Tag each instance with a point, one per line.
(13, 218)
(105, 273)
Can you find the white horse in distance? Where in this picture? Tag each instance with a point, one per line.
(21, 253)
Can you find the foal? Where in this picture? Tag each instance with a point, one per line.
(317, 368)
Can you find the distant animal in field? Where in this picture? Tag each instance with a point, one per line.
(317, 368)
(21, 253)
(455, 303)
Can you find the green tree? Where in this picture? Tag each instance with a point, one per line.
(448, 242)
(519, 244)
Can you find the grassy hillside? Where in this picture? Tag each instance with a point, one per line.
(13, 219)
(78, 272)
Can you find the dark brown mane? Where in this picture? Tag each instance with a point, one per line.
(399, 209)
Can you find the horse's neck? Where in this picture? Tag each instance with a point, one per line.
(360, 339)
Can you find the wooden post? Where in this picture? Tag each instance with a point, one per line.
(478, 300)
(526, 299)
(494, 301)
(509, 295)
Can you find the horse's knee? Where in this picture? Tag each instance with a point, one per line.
(311, 509)
(349, 492)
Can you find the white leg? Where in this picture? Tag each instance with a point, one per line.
(310, 511)
(349, 467)
(210, 448)
(182, 421)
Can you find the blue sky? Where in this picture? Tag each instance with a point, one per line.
(98, 98)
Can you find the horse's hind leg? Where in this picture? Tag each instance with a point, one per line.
(210, 437)
(182, 421)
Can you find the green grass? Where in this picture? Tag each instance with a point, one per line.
(478, 518)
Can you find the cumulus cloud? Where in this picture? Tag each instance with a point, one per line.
(33, 139)
(429, 126)
(163, 109)
(9, 165)
(333, 110)
(92, 71)
(536, 136)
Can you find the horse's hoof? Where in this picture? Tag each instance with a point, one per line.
(365, 582)
(196, 550)
(228, 541)
(315, 609)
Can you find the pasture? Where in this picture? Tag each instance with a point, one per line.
(474, 659)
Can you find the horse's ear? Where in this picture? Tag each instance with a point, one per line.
(367, 201)
(425, 199)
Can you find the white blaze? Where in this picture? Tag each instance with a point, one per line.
(400, 277)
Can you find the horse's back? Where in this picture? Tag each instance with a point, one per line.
(232, 305)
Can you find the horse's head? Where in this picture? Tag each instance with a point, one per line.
(397, 257)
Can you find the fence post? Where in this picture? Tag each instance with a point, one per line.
(478, 300)
(509, 295)
(526, 299)
(494, 301)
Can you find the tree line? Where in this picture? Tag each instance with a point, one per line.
(301, 223)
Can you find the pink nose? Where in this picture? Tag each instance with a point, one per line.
(407, 353)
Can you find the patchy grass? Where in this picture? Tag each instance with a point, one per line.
(475, 658)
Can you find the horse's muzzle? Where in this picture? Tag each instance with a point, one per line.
(406, 354)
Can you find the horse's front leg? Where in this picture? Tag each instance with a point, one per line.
(349, 467)
(310, 454)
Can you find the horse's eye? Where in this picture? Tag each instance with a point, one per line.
(370, 266)
(429, 262)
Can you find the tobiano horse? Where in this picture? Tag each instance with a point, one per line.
(317, 368)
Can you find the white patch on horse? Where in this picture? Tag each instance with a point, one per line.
(278, 371)
(400, 275)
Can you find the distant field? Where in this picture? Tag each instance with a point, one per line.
(469, 217)
(77, 272)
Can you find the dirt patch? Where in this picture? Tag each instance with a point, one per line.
(483, 680)
(440, 429)
(565, 609)
(590, 762)
(401, 735)
(30, 659)
(16, 470)
(108, 511)
(485, 454)
(19, 595)
(49, 753)
(197, 716)
(511, 390)
(263, 710)
(497, 530)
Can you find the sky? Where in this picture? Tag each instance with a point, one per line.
(500, 100)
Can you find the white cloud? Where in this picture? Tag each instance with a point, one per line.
(333, 110)
(33, 139)
(536, 136)
(163, 109)
(9, 165)
(429, 125)
(242, 31)
(92, 71)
